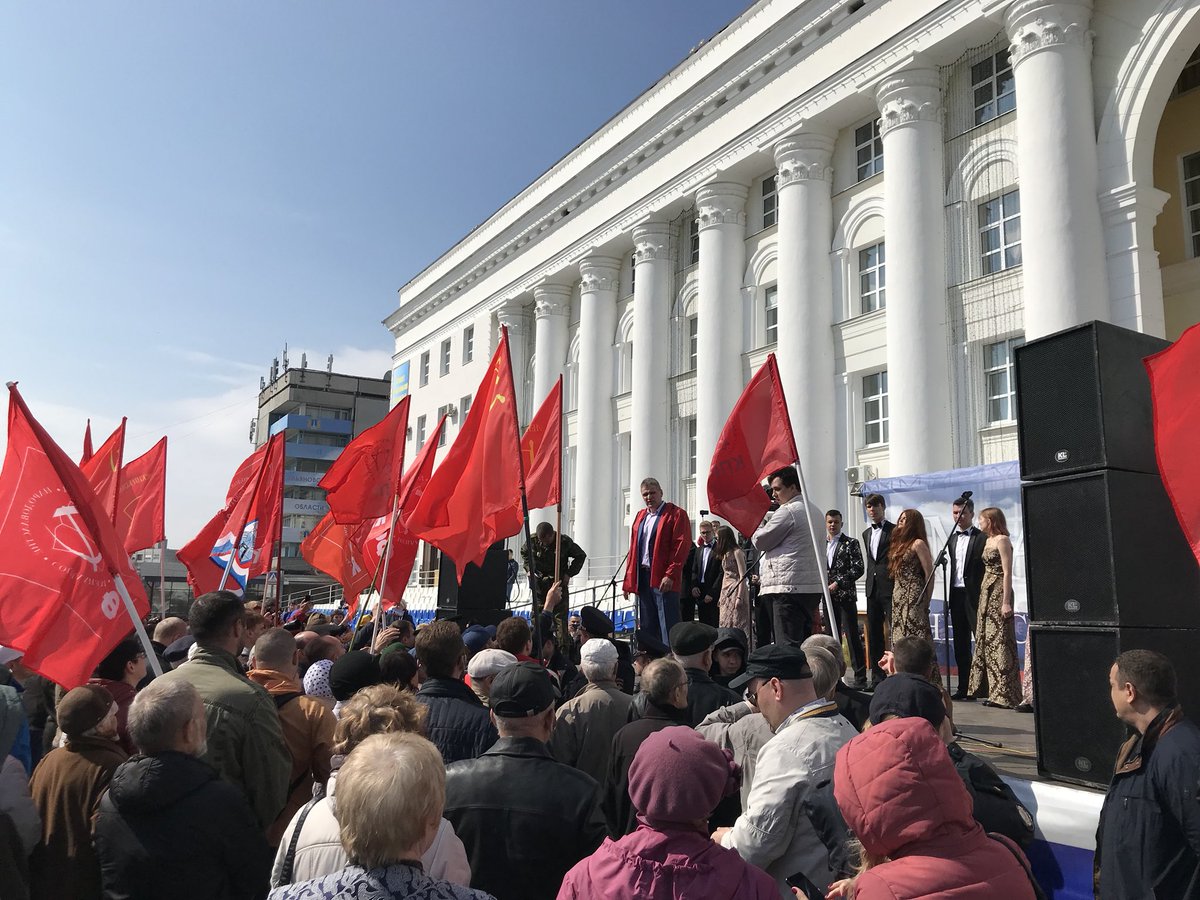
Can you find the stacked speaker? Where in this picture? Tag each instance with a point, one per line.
(481, 598)
(1108, 568)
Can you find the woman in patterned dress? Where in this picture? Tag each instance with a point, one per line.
(734, 599)
(909, 563)
(994, 671)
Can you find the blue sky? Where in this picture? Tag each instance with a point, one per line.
(186, 186)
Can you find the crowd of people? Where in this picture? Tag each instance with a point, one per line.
(307, 759)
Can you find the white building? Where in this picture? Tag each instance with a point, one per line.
(890, 194)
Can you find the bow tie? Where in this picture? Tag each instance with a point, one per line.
(876, 526)
(962, 533)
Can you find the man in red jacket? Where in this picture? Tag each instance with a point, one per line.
(658, 547)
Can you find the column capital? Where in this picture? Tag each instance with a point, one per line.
(511, 313)
(1034, 25)
(551, 300)
(803, 157)
(651, 240)
(908, 97)
(721, 203)
(599, 273)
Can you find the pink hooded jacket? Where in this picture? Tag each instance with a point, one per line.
(899, 793)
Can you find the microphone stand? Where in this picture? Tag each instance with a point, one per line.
(612, 585)
(941, 560)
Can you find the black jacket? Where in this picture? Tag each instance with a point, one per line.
(705, 696)
(853, 704)
(524, 818)
(457, 723)
(708, 581)
(1148, 841)
(878, 581)
(973, 571)
(618, 808)
(168, 826)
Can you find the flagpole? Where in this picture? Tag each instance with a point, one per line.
(560, 615)
(374, 580)
(162, 577)
(387, 551)
(147, 647)
(279, 545)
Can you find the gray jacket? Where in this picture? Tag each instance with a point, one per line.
(773, 832)
(742, 730)
(789, 564)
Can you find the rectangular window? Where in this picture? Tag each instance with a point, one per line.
(771, 315)
(769, 198)
(1000, 232)
(464, 407)
(1001, 385)
(1191, 200)
(444, 359)
(872, 277)
(468, 344)
(420, 432)
(425, 368)
(994, 87)
(1189, 78)
(868, 149)
(690, 467)
(693, 324)
(875, 409)
(694, 241)
(441, 411)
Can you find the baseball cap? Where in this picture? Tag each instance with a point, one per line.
(520, 691)
(783, 661)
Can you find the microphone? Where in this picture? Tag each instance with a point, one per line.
(966, 495)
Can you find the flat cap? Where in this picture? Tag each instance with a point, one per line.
(520, 691)
(83, 708)
(908, 696)
(598, 650)
(595, 622)
(650, 645)
(786, 662)
(690, 638)
(490, 662)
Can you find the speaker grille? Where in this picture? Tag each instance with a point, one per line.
(1058, 398)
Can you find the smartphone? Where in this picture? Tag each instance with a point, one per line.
(807, 888)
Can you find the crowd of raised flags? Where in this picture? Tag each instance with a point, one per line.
(68, 590)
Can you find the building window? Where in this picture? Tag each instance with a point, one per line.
(1001, 385)
(872, 277)
(1191, 200)
(444, 358)
(1000, 232)
(769, 198)
(693, 325)
(694, 241)
(1189, 78)
(771, 315)
(441, 411)
(420, 432)
(690, 466)
(425, 368)
(468, 344)
(875, 409)
(868, 149)
(632, 273)
(464, 407)
(994, 87)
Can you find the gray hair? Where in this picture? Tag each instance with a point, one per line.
(274, 649)
(660, 679)
(159, 712)
(825, 671)
(829, 643)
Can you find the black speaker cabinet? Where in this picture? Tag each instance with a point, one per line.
(1083, 401)
(482, 590)
(1078, 733)
(1105, 548)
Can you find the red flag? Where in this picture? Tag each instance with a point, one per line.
(142, 510)
(1177, 427)
(87, 443)
(103, 471)
(362, 482)
(541, 449)
(59, 554)
(248, 523)
(756, 440)
(332, 548)
(474, 497)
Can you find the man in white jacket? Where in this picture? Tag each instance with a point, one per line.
(790, 571)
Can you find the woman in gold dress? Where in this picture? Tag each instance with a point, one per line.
(910, 562)
(994, 670)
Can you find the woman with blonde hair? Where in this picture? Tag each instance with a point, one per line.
(312, 846)
(994, 670)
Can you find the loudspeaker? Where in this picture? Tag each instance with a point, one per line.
(1078, 733)
(482, 592)
(1083, 401)
(1105, 548)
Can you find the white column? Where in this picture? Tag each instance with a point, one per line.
(1064, 271)
(721, 209)
(805, 346)
(551, 307)
(651, 352)
(513, 315)
(597, 499)
(910, 105)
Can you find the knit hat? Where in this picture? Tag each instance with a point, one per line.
(476, 638)
(353, 672)
(83, 708)
(678, 776)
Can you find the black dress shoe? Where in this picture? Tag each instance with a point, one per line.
(1024, 707)
(962, 697)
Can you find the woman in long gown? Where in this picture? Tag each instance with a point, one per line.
(733, 602)
(910, 562)
(994, 670)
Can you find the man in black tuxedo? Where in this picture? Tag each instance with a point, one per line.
(878, 583)
(702, 580)
(966, 579)
(844, 557)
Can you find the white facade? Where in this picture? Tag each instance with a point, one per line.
(888, 194)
